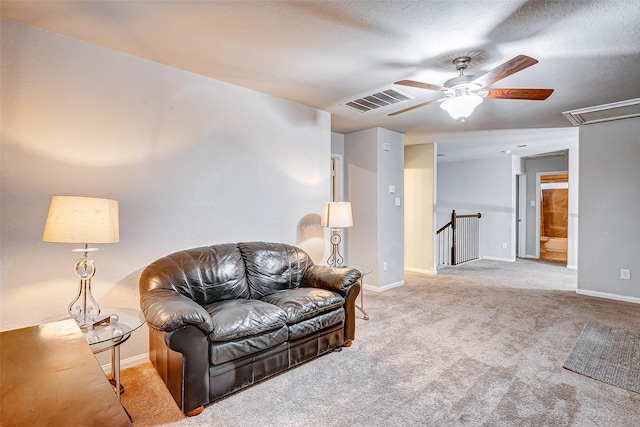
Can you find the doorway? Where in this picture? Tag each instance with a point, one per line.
(553, 216)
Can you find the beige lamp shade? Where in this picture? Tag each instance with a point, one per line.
(336, 215)
(75, 219)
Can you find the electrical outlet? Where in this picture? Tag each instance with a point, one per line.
(625, 274)
(504, 245)
(385, 266)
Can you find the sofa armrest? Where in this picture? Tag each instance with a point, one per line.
(166, 310)
(332, 278)
(181, 359)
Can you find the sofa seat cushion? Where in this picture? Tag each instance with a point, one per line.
(304, 303)
(235, 319)
(222, 352)
(317, 323)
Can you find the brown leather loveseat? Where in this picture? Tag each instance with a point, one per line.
(226, 316)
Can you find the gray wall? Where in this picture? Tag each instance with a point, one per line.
(609, 232)
(486, 186)
(390, 216)
(377, 235)
(193, 161)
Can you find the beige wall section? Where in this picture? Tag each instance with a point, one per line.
(419, 188)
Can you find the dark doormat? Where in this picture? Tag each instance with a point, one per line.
(610, 354)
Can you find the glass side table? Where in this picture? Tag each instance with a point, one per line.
(364, 270)
(110, 336)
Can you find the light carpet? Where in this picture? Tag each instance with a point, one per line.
(479, 345)
(608, 353)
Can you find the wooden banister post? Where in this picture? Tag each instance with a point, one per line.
(453, 237)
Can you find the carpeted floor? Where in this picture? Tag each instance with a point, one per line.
(478, 345)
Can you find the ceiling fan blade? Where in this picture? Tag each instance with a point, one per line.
(530, 94)
(414, 107)
(420, 85)
(512, 66)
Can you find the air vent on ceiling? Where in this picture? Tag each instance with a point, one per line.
(376, 100)
(604, 113)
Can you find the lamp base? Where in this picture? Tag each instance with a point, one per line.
(87, 312)
(335, 259)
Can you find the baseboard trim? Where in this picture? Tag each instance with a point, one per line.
(385, 287)
(129, 362)
(572, 267)
(419, 270)
(607, 295)
(494, 258)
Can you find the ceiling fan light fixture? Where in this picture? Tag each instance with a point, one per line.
(461, 105)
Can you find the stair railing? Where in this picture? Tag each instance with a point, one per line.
(459, 239)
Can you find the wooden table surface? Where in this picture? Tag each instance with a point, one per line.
(50, 377)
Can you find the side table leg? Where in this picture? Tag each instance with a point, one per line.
(361, 307)
(115, 368)
(113, 365)
(115, 375)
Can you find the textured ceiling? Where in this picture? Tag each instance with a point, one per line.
(323, 53)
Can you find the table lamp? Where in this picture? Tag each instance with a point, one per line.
(83, 220)
(336, 215)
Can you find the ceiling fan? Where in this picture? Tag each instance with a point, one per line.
(464, 93)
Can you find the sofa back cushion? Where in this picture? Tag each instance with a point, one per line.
(206, 275)
(272, 267)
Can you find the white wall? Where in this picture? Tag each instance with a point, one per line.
(192, 161)
(377, 235)
(419, 211)
(609, 205)
(361, 184)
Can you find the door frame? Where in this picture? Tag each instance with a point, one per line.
(521, 218)
(337, 178)
(337, 195)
